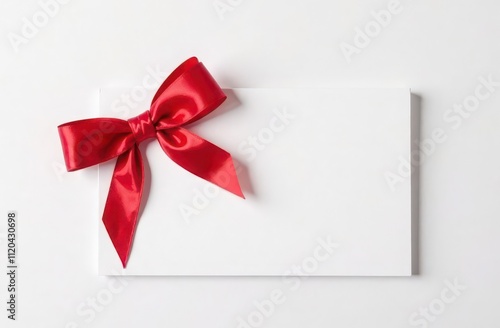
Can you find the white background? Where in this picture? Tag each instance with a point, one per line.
(438, 48)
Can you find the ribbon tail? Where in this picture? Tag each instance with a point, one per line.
(201, 158)
(124, 198)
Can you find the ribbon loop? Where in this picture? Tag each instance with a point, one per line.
(142, 127)
(188, 94)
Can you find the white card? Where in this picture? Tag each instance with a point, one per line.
(312, 165)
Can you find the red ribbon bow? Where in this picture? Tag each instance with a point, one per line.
(187, 95)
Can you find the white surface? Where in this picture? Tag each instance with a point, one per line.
(439, 48)
(311, 164)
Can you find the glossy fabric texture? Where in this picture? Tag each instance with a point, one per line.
(188, 94)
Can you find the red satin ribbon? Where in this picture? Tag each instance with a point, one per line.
(188, 94)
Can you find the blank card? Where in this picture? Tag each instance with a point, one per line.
(312, 165)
